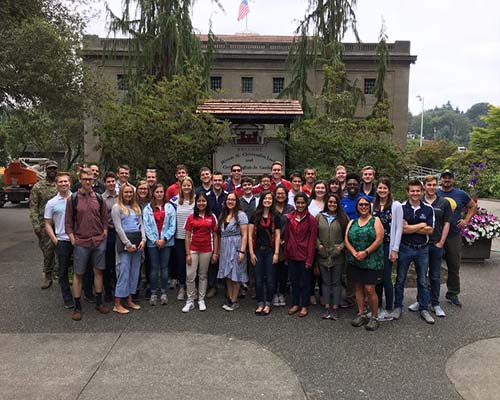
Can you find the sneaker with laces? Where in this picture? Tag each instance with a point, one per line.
(69, 304)
(427, 317)
(397, 313)
(438, 311)
(383, 316)
(276, 300)
(325, 314)
(282, 300)
(181, 294)
(153, 300)
(414, 307)
(334, 314)
(164, 299)
(188, 307)
(202, 306)
(231, 307)
(372, 325)
(455, 302)
(360, 320)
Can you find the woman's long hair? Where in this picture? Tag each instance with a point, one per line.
(181, 193)
(133, 203)
(260, 208)
(342, 217)
(335, 180)
(388, 204)
(225, 212)
(153, 202)
(196, 211)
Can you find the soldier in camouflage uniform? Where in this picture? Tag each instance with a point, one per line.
(41, 193)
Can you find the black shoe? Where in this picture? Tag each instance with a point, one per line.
(455, 302)
(69, 304)
(89, 299)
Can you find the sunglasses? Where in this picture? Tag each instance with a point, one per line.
(363, 204)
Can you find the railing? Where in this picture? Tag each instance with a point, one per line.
(418, 172)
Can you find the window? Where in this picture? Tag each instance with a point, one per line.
(278, 85)
(369, 86)
(121, 81)
(215, 82)
(246, 85)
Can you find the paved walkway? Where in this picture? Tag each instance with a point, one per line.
(159, 352)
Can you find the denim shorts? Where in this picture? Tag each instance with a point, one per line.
(95, 257)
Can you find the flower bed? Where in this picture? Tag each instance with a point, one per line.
(482, 225)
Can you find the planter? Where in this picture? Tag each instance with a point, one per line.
(477, 252)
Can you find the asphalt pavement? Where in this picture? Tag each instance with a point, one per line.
(161, 353)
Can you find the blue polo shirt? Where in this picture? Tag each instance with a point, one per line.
(349, 204)
(216, 202)
(458, 200)
(413, 216)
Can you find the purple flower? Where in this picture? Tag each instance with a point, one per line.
(481, 166)
(473, 181)
(473, 166)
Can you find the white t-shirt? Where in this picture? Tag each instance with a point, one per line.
(182, 213)
(314, 209)
(55, 210)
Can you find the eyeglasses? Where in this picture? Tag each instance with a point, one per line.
(363, 204)
(236, 170)
(87, 179)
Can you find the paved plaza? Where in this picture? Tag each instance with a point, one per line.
(161, 353)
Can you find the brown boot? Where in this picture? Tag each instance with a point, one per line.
(47, 281)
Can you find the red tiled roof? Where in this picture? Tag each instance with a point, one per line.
(249, 107)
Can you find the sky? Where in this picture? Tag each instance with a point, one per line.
(457, 42)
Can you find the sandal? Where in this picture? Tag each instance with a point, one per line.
(292, 310)
(266, 313)
(259, 310)
(134, 306)
(303, 312)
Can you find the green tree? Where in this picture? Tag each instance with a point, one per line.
(157, 123)
(487, 138)
(475, 114)
(432, 154)
(328, 21)
(162, 40)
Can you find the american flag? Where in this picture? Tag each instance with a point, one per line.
(244, 10)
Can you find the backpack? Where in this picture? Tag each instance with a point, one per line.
(74, 203)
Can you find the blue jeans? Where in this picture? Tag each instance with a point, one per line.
(435, 258)
(386, 284)
(128, 273)
(301, 282)
(420, 258)
(158, 262)
(265, 274)
(180, 261)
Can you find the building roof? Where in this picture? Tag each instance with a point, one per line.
(263, 111)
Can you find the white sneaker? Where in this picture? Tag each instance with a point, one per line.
(188, 307)
(153, 300)
(276, 300)
(181, 294)
(438, 311)
(164, 299)
(202, 306)
(414, 307)
(282, 300)
(426, 316)
(397, 313)
(383, 316)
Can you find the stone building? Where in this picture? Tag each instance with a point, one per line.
(253, 67)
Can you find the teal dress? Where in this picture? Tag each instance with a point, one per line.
(368, 271)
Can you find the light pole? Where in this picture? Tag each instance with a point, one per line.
(421, 98)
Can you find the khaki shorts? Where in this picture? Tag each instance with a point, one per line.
(93, 257)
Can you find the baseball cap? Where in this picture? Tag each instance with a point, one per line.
(51, 163)
(447, 172)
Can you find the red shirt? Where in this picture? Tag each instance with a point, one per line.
(237, 189)
(172, 191)
(306, 190)
(159, 215)
(258, 188)
(202, 230)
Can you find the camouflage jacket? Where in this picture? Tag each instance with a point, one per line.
(41, 193)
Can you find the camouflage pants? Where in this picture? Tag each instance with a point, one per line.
(48, 251)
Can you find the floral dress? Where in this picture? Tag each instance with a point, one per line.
(230, 245)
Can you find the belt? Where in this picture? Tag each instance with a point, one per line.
(415, 246)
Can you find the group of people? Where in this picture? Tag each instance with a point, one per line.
(342, 235)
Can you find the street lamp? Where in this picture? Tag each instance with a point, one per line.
(421, 98)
